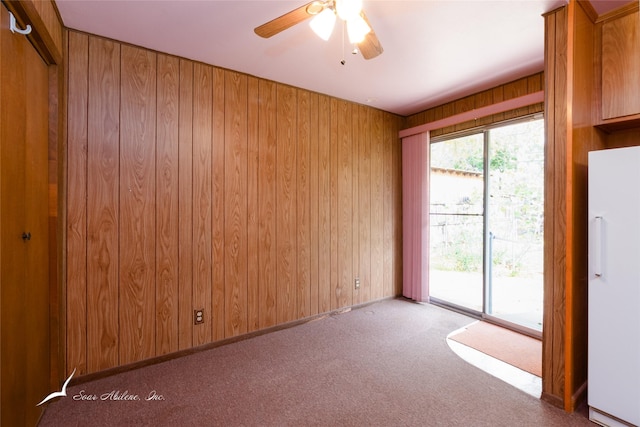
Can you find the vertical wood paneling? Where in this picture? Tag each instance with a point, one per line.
(253, 271)
(449, 110)
(514, 90)
(416, 119)
(103, 204)
(314, 195)
(396, 205)
(286, 203)
(267, 203)
(76, 301)
(344, 287)
(585, 139)
(387, 196)
(355, 208)
(627, 138)
(209, 189)
(218, 173)
(555, 175)
(202, 170)
(303, 231)
(484, 99)
(167, 214)
(137, 204)
(571, 86)
(435, 114)
(333, 203)
(549, 327)
(235, 204)
(364, 202)
(461, 106)
(498, 96)
(535, 84)
(185, 206)
(325, 258)
(522, 86)
(560, 203)
(377, 206)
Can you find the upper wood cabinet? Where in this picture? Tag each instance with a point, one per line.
(621, 66)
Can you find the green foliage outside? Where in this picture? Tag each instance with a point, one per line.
(516, 162)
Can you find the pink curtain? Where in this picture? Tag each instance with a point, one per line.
(415, 217)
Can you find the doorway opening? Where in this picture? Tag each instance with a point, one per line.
(486, 223)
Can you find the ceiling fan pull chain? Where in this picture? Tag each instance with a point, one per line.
(343, 61)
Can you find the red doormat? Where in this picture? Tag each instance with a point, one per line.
(511, 347)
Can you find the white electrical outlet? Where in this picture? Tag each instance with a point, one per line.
(198, 316)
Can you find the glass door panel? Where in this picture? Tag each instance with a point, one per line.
(457, 223)
(515, 184)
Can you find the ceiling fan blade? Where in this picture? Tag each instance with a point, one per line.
(283, 22)
(370, 47)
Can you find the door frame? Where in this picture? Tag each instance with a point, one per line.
(41, 38)
(484, 130)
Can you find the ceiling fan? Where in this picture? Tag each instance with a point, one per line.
(324, 14)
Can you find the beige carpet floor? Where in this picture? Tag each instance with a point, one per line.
(386, 364)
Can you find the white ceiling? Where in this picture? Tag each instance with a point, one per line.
(434, 50)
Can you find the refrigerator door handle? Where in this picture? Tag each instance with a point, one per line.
(597, 247)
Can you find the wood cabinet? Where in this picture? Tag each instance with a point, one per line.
(619, 68)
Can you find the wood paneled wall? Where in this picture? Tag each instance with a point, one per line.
(514, 89)
(556, 152)
(570, 112)
(194, 187)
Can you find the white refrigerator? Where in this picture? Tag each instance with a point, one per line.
(614, 287)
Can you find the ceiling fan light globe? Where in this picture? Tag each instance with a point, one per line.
(357, 29)
(322, 24)
(348, 9)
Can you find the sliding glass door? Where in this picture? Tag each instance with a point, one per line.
(486, 213)
(457, 221)
(515, 223)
